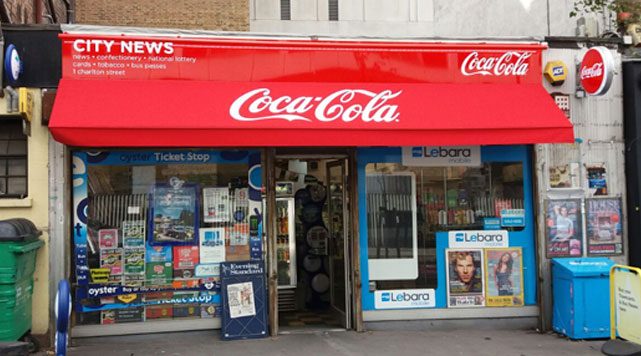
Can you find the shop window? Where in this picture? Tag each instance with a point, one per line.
(333, 10)
(161, 226)
(285, 10)
(13, 159)
(443, 199)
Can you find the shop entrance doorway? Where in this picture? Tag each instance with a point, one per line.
(312, 242)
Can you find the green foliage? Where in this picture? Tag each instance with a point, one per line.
(597, 6)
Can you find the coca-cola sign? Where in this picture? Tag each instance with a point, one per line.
(345, 105)
(512, 63)
(596, 71)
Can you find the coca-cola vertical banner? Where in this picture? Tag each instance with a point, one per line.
(597, 70)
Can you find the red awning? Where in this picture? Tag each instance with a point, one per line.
(179, 113)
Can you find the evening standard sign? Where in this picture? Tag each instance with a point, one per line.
(478, 239)
(439, 156)
(404, 298)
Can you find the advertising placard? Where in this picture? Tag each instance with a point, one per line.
(464, 278)
(596, 174)
(212, 245)
(175, 212)
(564, 228)
(108, 238)
(216, 204)
(112, 259)
(564, 176)
(240, 297)
(478, 238)
(504, 277)
(161, 253)
(134, 261)
(627, 303)
(185, 257)
(244, 300)
(133, 233)
(440, 156)
(604, 228)
(513, 217)
(404, 298)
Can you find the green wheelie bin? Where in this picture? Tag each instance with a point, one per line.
(19, 243)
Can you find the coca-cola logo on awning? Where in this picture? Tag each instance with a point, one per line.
(504, 64)
(596, 71)
(345, 105)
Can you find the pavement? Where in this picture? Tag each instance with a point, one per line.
(400, 343)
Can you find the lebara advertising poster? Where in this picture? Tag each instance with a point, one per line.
(503, 277)
(464, 278)
(564, 228)
(175, 213)
(604, 229)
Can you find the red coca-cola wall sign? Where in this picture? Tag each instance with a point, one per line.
(597, 70)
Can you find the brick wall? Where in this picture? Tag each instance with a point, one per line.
(227, 15)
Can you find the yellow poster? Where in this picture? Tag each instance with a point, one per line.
(504, 277)
(627, 294)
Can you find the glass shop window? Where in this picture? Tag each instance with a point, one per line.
(154, 226)
(406, 206)
(13, 159)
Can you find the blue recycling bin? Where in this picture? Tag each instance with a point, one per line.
(581, 297)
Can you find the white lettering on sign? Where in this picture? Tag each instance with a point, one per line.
(137, 47)
(592, 72)
(478, 239)
(509, 63)
(258, 105)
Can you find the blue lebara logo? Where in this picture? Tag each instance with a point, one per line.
(460, 237)
(386, 297)
(417, 152)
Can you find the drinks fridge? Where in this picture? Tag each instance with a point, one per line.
(285, 242)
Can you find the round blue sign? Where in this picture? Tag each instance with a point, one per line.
(12, 63)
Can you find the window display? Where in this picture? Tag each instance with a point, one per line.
(446, 199)
(158, 225)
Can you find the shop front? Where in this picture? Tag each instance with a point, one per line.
(375, 180)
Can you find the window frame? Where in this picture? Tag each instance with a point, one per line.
(6, 157)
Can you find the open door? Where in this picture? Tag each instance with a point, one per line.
(339, 240)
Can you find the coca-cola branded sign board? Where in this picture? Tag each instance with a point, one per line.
(596, 71)
(277, 60)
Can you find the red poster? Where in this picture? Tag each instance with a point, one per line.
(185, 257)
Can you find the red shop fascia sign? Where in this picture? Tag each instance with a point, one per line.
(232, 91)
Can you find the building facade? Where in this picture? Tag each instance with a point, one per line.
(530, 182)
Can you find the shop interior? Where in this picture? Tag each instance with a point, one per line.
(311, 224)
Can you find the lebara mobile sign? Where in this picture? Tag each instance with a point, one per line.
(478, 239)
(438, 156)
(404, 298)
(596, 71)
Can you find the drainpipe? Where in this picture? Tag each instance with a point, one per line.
(12, 100)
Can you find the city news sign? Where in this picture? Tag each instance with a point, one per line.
(596, 71)
(478, 239)
(441, 156)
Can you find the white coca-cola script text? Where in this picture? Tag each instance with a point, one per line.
(345, 104)
(592, 72)
(508, 63)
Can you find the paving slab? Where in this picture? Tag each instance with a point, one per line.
(400, 343)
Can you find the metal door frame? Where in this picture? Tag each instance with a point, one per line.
(343, 163)
(269, 156)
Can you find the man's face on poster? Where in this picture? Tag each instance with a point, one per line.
(465, 269)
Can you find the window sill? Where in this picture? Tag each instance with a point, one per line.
(16, 203)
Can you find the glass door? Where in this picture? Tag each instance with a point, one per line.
(339, 240)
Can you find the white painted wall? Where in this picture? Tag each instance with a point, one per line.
(418, 18)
